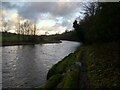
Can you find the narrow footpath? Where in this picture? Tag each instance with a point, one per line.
(83, 80)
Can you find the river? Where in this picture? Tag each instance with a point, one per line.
(27, 66)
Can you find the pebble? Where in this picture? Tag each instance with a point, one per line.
(78, 64)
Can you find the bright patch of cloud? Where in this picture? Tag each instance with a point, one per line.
(14, 15)
(51, 17)
(4, 13)
(53, 30)
(46, 24)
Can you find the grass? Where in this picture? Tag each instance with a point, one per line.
(15, 38)
(53, 81)
(68, 71)
(103, 65)
(71, 78)
(61, 66)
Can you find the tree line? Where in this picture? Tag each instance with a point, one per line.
(25, 27)
(100, 23)
(25, 31)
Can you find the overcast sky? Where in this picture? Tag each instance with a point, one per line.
(51, 17)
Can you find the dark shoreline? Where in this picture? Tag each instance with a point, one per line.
(24, 43)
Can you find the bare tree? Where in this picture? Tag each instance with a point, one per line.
(4, 24)
(46, 33)
(90, 8)
(22, 28)
(34, 30)
(18, 26)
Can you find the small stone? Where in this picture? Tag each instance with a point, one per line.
(78, 64)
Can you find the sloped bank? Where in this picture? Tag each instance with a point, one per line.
(65, 74)
(101, 69)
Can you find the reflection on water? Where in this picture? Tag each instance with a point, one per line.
(27, 66)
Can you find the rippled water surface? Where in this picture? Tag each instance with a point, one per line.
(27, 66)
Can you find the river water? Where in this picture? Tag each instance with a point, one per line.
(27, 66)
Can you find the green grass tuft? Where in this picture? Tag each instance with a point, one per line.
(71, 78)
(53, 81)
(103, 68)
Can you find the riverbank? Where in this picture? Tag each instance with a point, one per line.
(93, 66)
(25, 43)
(11, 39)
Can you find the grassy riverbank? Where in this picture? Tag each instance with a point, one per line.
(7, 39)
(15, 39)
(102, 68)
(64, 74)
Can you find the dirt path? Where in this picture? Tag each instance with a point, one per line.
(83, 80)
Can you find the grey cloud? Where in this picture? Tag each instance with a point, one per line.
(7, 5)
(33, 9)
(64, 22)
(13, 5)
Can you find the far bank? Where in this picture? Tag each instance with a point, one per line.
(10, 39)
